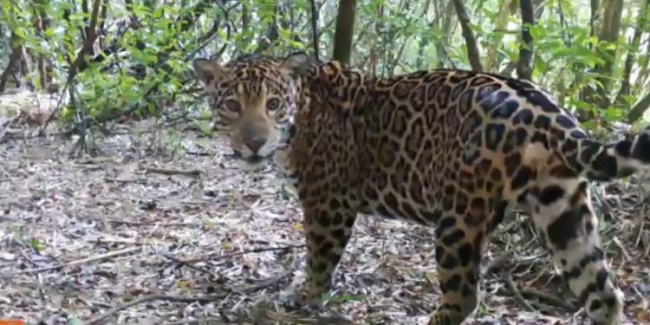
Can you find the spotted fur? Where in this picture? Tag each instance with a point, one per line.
(252, 98)
(450, 149)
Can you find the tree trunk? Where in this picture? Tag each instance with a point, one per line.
(344, 31)
(525, 66)
(470, 40)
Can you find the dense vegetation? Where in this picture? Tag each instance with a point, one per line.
(117, 59)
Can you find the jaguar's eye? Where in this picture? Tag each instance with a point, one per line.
(272, 104)
(232, 105)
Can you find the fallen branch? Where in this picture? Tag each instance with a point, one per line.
(207, 320)
(172, 172)
(263, 284)
(200, 269)
(125, 180)
(221, 257)
(518, 296)
(284, 318)
(150, 223)
(498, 262)
(548, 298)
(199, 153)
(96, 160)
(11, 122)
(100, 319)
(77, 262)
(626, 253)
(103, 241)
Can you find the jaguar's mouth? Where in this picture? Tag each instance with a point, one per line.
(254, 159)
(251, 159)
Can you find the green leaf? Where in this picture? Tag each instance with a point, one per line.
(540, 64)
(590, 125)
(36, 245)
(613, 114)
(74, 321)
(158, 13)
(49, 33)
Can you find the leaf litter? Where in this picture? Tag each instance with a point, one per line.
(186, 234)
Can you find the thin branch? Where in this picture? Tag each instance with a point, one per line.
(77, 262)
(314, 28)
(524, 66)
(635, 44)
(470, 40)
(639, 109)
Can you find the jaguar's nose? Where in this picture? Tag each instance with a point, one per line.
(255, 144)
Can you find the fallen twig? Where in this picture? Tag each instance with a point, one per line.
(224, 256)
(263, 284)
(498, 262)
(151, 223)
(620, 245)
(297, 319)
(113, 241)
(96, 160)
(172, 172)
(3, 132)
(518, 296)
(77, 262)
(200, 153)
(207, 320)
(200, 269)
(99, 319)
(125, 180)
(550, 299)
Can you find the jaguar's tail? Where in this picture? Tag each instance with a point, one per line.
(598, 161)
(605, 162)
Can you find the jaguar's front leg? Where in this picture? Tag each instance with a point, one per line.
(459, 247)
(327, 231)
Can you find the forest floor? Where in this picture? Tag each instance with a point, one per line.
(178, 232)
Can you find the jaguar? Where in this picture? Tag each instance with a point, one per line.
(254, 98)
(446, 148)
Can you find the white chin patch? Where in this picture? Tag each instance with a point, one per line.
(265, 151)
(245, 152)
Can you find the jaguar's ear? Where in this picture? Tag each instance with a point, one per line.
(331, 69)
(208, 71)
(296, 63)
